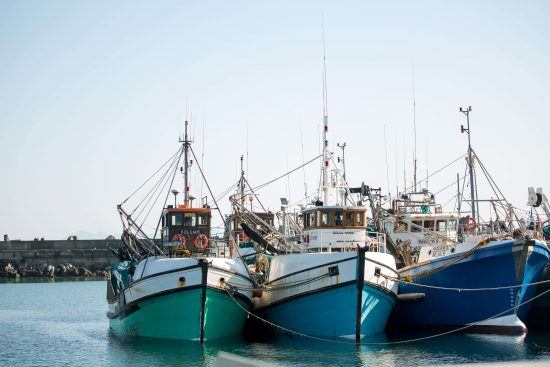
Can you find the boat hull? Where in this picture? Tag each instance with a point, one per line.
(330, 295)
(183, 299)
(177, 315)
(331, 312)
(499, 265)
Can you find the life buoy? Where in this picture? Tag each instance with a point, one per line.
(201, 241)
(178, 237)
(470, 225)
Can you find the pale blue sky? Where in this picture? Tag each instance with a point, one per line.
(91, 95)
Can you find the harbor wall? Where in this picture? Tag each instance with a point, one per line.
(85, 253)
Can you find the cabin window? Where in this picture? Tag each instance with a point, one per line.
(359, 219)
(202, 220)
(338, 219)
(429, 225)
(349, 219)
(270, 221)
(190, 220)
(325, 219)
(313, 219)
(177, 219)
(442, 226)
(307, 219)
(417, 226)
(401, 227)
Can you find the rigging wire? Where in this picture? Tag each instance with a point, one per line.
(153, 175)
(165, 199)
(284, 175)
(220, 212)
(153, 190)
(436, 172)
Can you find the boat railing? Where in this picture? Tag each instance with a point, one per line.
(376, 241)
(219, 249)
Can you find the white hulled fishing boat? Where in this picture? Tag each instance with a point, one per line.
(174, 288)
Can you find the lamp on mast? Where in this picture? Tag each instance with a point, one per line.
(175, 192)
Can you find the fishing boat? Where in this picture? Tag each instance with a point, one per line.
(442, 253)
(537, 316)
(173, 288)
(335, 280)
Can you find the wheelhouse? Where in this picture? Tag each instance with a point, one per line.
(338, 228)
(186, 228)
(234, 225)
(423, 226)
(334, 218)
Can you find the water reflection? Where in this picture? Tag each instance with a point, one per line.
(65, 322)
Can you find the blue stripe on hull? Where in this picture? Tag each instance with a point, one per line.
(491, 266)
(331, 313)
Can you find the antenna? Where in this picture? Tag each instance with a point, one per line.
(414, 126)
(404, 168)
(303, 159)
(387, 169)
(427, 176)
(396, 172)
(202, 147)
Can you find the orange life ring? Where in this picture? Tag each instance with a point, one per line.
(470, 225)
(201, 241)
(181, 238)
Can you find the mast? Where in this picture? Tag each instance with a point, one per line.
(326, 155)
(241, 183)
(186, 145)
(466, 112)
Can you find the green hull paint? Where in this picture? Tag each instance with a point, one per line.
(177, 316)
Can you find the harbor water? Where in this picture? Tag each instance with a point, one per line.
(64, 324)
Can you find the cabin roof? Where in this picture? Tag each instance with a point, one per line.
(429, 216)
(322, 208)
(184, 209)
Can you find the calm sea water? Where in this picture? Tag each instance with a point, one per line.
(64, 324)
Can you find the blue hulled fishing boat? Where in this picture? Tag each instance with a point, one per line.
(439, 267)
(331, 279)
(458, 272)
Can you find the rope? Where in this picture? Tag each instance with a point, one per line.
(286, 174)
(449, 263)
(283, 286)
(467, 326)
(466, 289)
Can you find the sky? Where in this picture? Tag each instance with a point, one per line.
(93, 96)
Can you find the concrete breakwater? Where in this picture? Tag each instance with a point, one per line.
(62, 258)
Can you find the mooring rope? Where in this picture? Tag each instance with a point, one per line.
(467, 326)
(466, 289)
(284, 286)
